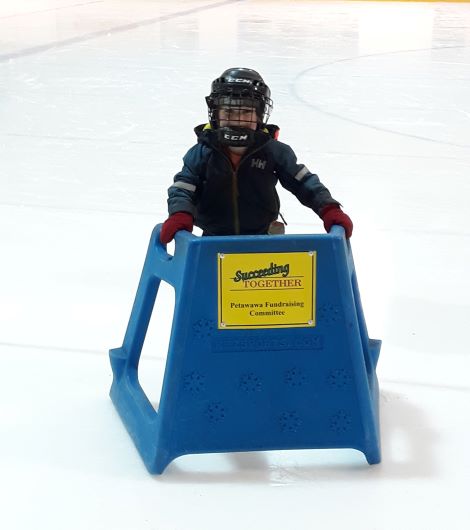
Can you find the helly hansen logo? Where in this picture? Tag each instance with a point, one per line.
(257, 162)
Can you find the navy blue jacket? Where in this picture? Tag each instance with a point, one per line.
(225, 201)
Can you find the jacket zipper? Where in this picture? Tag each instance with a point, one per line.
(236, 212)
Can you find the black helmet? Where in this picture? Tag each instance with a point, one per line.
(240, 87)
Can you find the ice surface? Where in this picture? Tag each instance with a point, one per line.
(97, 104)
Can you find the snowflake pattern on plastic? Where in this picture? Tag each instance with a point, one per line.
(194, 382)
(329, 313)
(295, 377)
(290, 421)
(250, 382)
(203, 328)
(341, 422)
(339, 378)
(215, 412)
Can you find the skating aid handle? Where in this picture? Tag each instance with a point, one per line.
(180, 237)
(183, 235)
(337, 230)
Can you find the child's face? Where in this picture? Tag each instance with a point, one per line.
(238, 117)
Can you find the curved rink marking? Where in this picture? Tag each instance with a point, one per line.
(303, 73)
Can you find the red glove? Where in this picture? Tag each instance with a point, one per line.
(333, 215)
(176, 222)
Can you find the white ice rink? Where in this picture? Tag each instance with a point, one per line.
(97, 104)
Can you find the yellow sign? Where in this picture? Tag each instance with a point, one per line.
(268, 290)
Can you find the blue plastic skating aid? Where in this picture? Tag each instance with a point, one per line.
(305, 379)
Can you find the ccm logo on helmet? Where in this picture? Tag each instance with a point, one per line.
(235, 137)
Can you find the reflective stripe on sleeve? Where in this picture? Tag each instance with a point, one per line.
(184, 185)
(301, 174)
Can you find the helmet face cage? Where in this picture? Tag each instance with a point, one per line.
(236, 112)
(234, 97)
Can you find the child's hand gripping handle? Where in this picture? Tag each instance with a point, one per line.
(176, 222)
(333, 215)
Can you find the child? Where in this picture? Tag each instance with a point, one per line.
(228, 182)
